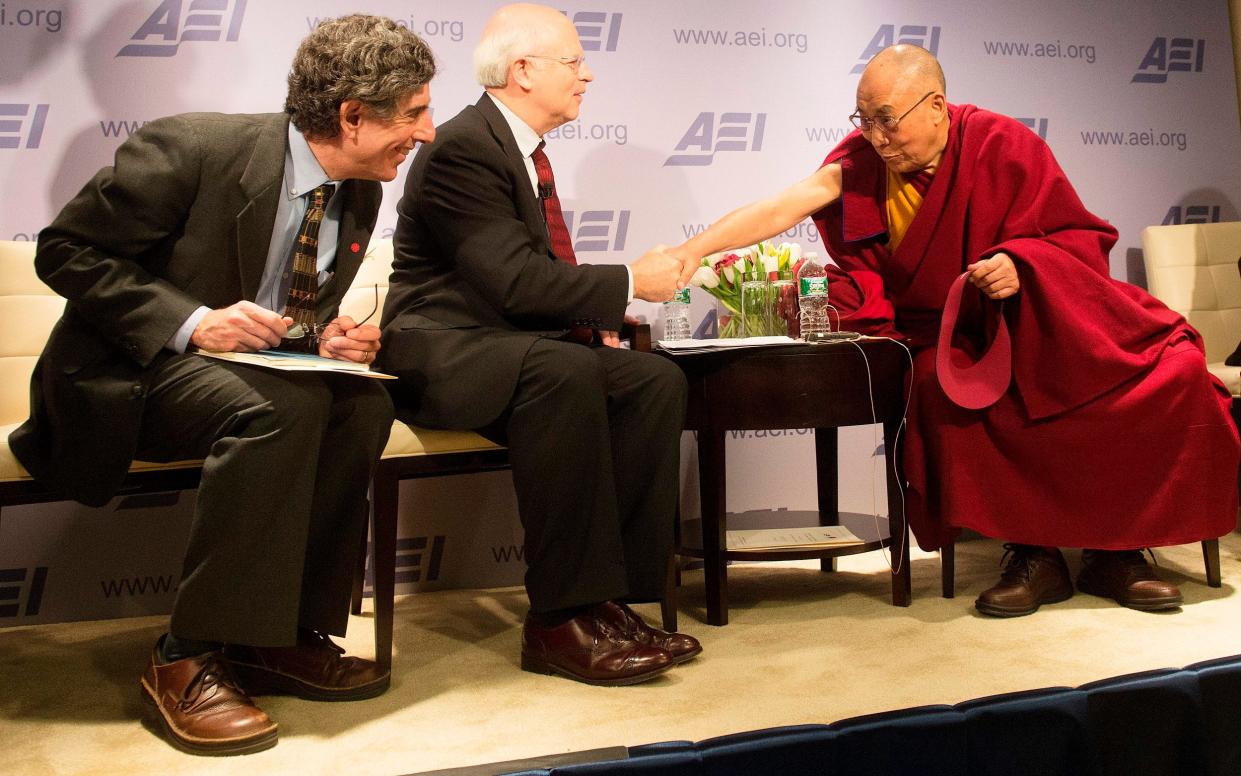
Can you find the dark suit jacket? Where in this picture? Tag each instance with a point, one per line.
(182, 219)
(474, 283)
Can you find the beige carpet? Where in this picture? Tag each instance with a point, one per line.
(802, 647)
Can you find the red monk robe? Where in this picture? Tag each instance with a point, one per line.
(1111, 435)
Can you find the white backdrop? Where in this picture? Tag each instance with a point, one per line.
(696, 108)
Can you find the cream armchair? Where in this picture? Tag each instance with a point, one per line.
(1192, 268)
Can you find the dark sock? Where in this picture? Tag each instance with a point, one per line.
(174, 649)
(555, 617)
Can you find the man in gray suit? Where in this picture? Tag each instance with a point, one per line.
(215, 232)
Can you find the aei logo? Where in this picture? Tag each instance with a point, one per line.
(734, 132)
(12, 582)
(1170, 55)
(175, 22)
(1192, 214)
(887, 35)
(598, 230)
(13, 126)
(598, 31)
(1037, 125)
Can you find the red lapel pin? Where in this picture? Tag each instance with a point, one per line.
(355, 247)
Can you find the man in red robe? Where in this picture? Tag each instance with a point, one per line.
(1106, 433)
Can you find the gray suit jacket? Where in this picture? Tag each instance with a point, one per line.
(474, 283)
(183, 218)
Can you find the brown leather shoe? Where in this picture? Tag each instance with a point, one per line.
(1126, 578)
(590, 649)
(199, 708)
(1034, 576)
(315, 669)
(680, 646)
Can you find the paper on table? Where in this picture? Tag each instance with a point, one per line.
(790, 538)
(297, 362)
(729, 342)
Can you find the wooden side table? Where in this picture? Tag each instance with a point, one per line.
(789, 387)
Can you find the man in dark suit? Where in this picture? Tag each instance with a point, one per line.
(218, 232)
(488, 322)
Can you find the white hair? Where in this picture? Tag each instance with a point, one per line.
(500, 48)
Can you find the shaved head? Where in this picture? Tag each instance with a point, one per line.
(906, 64)
(901, 94)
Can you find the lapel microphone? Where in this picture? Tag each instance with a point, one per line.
(546, 190)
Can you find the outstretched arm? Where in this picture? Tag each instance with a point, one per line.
(762, 219)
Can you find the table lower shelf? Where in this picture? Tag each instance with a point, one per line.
(873, 532)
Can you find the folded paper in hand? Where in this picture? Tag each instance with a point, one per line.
(298, 362)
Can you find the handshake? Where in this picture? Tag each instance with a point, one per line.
(660, 272)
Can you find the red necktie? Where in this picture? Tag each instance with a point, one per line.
(562, 244)
(557, 230)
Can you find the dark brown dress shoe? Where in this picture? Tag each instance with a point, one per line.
(679, 645)
(315, 669)
(199, 708)
(590, 649)
(1034, 576)
(1126, 578)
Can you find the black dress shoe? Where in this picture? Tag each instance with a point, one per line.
(590, 649)
(679, 645)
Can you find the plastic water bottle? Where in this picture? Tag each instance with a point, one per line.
(676, 316)
(812, 298)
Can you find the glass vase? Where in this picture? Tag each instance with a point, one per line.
(728, 322)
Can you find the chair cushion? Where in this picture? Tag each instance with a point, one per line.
(1230, 376)
(11, 470)
(412, 440)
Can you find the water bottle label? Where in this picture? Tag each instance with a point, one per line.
(681, 296)
(813, 286)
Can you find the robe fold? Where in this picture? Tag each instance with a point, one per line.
(1112, 434)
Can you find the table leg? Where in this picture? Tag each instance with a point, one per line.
(898, 527)
(827, 468)
(712, 495)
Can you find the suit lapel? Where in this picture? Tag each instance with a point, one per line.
(261, 182)
(527, 204)
(357, 219)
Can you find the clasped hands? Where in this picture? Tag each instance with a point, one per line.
(247, 327)
(657, 275)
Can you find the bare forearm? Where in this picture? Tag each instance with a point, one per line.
(744, 226)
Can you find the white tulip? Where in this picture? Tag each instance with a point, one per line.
(705, 278)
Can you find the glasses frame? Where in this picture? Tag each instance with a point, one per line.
(573, 63)
(858, 120)
(297, 333)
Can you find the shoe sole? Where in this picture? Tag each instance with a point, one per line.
(1150, 605)
(537, 666)
(686, 657)
(1000, 611)
(156, 719)
(257, 680)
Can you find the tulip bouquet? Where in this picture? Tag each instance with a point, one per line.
(754, 284)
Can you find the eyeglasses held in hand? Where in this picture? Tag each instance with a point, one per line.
(298, 338)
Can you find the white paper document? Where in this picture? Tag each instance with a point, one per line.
(729, 342)
(791, 538)
(298, 362)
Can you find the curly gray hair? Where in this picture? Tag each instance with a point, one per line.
(371, 59)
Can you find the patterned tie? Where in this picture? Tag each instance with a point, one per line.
(304, 286)
(557, 230)
(562, 244)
